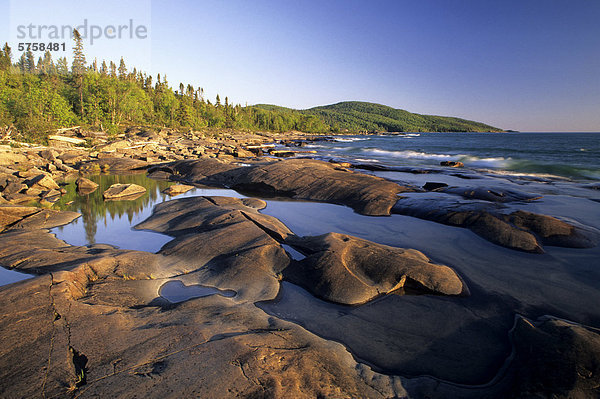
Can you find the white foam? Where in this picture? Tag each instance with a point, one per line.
(410, 154)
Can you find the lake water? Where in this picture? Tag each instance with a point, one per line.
(570, 155)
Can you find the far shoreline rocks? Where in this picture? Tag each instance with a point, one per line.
(93, 322)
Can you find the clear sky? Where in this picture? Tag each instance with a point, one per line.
(529, 65)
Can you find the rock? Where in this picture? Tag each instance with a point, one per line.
(85, 186)
(113, 165)
(297, 178)
(241, 153)
(177, 189)
(10, 157)
(431, 186)
(6, 179)
(12, 214)
(115, 145)
(14, 187)
(492, 194)
(352, 271)
(519, 230)
(452, 164)
(49, 154)
(73, 157)
(43, 181)
(555, 358)
(124, 192)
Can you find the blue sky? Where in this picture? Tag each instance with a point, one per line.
(529, 65)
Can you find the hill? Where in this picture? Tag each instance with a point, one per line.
(356, 116)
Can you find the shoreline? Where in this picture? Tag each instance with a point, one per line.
(100, 285)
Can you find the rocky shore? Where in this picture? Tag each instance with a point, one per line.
(93, 322)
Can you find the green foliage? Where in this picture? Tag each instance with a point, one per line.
(355, 116)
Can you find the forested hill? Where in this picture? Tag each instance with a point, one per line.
(356, 116)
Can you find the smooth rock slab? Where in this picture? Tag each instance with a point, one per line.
(349, 270)
(123, 192)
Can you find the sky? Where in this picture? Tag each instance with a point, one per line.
(527, 65)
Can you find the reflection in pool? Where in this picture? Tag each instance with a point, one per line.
(175, 291)
(111, 222)
(11, 276)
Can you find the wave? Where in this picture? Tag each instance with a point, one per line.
(491, 162)
(350, 139)
(409, 154)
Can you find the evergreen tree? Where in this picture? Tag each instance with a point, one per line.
(218, 101)
(103, 68)
(29, 62)
(122, 69)
(78, 66)
(113, 69)
(47, 64)
(5, 58)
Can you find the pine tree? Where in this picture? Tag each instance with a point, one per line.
(5, 58)
(78, 66)
(29, 62)
(48, 64)
(218, 101)
(122, 69)
(103, 68)
(113, 69)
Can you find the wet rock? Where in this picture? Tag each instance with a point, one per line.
(85, 186)
(123, 192)
(177, 189)
(351, 271)
(555, 358)
(452, 164)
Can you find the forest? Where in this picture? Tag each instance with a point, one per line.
(39, 96)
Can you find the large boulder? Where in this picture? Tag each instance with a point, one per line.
(349, 270)
(123, 192)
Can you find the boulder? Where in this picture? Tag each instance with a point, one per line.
(349, 270)
(42, 181)
(177, 189)
(124, 192)
(85, 186)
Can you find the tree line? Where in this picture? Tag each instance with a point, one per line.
(38, 96)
